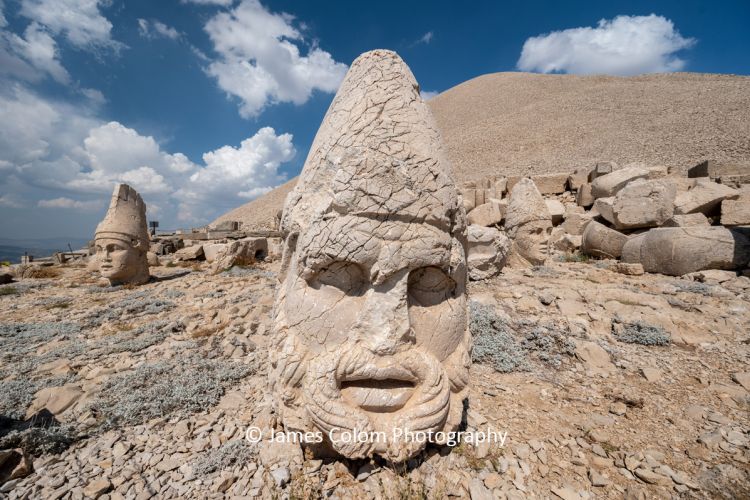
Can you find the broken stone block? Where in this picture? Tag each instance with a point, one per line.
(499, 188)
(682, 184)
(714, 169)
(594, 358)
(609, 184)
(735, 213)
(487, 252)
(556, 211)
(602, 168)
(194, 252)
(578, 178)
(565, 242)
(511, 182)
(734, 181)
(705, 197)
(468, 196)
(212, 250)
(488, 214)
(550, 183)
(227, 225)
(584, 196)
(696, 219)
(657, 172)
(601, 241)
(604, 207)
(54, 399)
(681, 250)
(643, 204)
(242, 252)
(14, 464)
(153, 259)
(575, 222)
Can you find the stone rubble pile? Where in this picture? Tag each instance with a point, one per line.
(648, 215)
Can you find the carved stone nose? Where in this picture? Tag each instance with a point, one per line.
(384, 323)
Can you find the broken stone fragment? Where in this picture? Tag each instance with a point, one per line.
(609, 184)
(487, 252)
(601, 241)
(681, 250)
(705, 197)
(643, 204)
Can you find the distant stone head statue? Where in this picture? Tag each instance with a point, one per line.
(121, 239)
(370, 317)
(528, 224)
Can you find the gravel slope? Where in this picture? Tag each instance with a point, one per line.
(522, 123)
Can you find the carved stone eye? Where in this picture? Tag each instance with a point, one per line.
(347, 277)
(429, 286)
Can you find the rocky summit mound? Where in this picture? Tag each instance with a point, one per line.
(525, 124)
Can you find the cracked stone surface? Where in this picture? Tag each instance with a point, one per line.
(371, 312)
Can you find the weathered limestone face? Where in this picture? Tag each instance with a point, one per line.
(122, 240)
(370, 317)
(528, 224)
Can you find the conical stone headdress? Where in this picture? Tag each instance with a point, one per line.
(126, 217)
(377, 154)
(525, 205)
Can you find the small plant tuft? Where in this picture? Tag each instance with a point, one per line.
(641, 333)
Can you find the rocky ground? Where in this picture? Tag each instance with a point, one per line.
(608, 385)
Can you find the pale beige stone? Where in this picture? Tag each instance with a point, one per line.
(556, 211)
(584, 196)
(551, 183)
(575, 222)
(609, 184)
(54, 399)
(488, 214)
(243, 252)
(212, 250)
(714, 169)
(680, 250)
(601, 241)
(594, 358)
(601, 169)
(604, 207)
(643, 204)
(121, 239)
(705, 197)
(528, 224)
(370, 322)
(579, 177)
(696, 219)
(192, 252)
(735, 213)
(487, 252)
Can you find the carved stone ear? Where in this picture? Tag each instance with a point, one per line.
(290, 246)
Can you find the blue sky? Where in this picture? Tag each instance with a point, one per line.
(204, 104)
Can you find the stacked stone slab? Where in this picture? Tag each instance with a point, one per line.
(625, 201)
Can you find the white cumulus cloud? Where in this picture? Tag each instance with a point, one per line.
(260, 61)
(156, 29)
(223, 3)
(56, 155)
(80, 21)
(625, 45)
(32, 56)
(63, 202)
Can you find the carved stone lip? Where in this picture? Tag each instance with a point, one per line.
(376, 373)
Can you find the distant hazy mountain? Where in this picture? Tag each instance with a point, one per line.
(12, 249)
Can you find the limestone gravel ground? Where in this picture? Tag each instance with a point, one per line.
(156, 398)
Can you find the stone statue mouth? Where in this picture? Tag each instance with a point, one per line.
(388, 390)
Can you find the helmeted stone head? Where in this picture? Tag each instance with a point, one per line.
(528, 224)
(122, 239)
(370, 316)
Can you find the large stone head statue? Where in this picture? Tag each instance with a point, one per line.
(122, 239)
(370, 317)
(528, 224)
